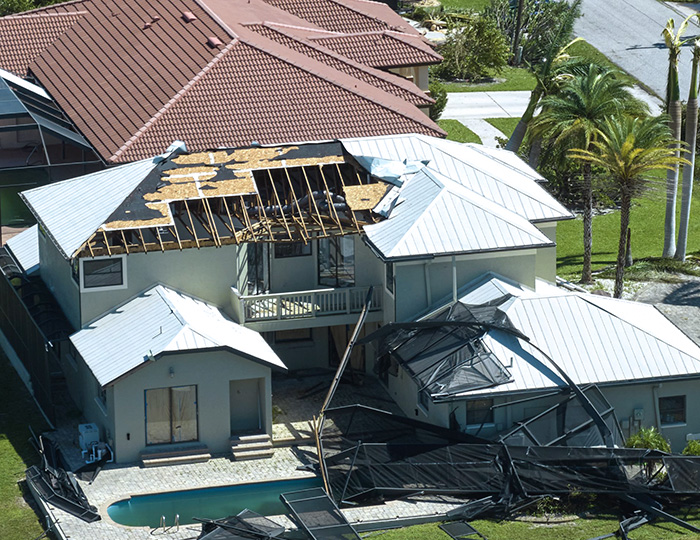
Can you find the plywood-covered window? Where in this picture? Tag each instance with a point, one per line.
(171, 414)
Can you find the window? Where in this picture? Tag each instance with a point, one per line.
(336, 261)
(390, 277)
(171, 414)
(258, 268)
(479, 412)
(102, 273)
(292, 249)
(672, 410)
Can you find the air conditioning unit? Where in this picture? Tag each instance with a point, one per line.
(89, 435)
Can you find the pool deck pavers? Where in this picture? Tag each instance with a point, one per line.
(295, 401)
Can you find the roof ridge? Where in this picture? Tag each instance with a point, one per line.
(584, 299)
(420, 117)
(363, 13)
(54, 6)
(486, 205)
(19, 16)
(490, 175)
(396, 35)
(427, 207)
(308, 29)
(409, 87)
(174, 99)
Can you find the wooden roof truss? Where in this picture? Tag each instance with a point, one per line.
(292, 204)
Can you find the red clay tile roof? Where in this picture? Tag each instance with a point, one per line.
(113, 72)
(63, 7)
(134, 76)
(286, 102)
(24, 38)
(345, 16)
(382, 49)
(388, 82)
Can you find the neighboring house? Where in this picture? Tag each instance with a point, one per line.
(645, 367)
(283, 240)
(115, 82)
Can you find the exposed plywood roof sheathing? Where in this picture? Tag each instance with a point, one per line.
(281, 194)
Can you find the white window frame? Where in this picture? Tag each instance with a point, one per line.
(124, 284)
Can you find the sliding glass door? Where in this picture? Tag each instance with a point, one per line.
(171, 414)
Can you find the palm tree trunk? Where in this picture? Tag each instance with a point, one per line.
(625, 204)
(516, 139)
(586, 273)
(674, 111)
(691, 134)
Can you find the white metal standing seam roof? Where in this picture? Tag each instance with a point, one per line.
(497, 175)
(593, 339)
(72, 210)
(436, 216)
(24, 248)
(162, 320)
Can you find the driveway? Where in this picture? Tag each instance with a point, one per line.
(628, 32)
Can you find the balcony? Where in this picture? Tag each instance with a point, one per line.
(318, 307)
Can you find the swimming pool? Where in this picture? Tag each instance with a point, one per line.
(212, 503)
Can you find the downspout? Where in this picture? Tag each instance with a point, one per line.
(657, 413)
(454, 278)
(428, 292)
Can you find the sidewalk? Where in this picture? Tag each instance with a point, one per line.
(473, 108)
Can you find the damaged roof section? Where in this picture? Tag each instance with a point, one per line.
(257, 194)
(407, 205)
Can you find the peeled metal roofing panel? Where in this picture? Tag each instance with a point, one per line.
(162, 320)
(72, 210)
(499, 176)
(25, 249)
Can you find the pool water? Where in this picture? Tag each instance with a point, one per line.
(210, 503)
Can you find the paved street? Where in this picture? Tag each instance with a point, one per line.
(629, 33)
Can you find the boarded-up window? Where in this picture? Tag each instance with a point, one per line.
(171, 414)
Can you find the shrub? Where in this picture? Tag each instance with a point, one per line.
(653, 440)
(543, 24)
(439, 93)
(474, 48)
(649, 438)
(692, 448)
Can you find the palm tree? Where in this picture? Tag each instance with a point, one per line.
(691, 133)
(629, 149)
(674, 42)
(557, 69)
(572, 118)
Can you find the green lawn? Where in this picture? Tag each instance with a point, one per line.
(456, 131)
(474, 5)
(17, 411)
(576, 530)
(511, 78)
(646, 222)
(504, 125)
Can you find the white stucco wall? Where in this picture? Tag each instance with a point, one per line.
(56, 273)
(546, 267)
(206, 273)
(413, 296)
(211, 371)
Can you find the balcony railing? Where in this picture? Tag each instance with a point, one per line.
(304, 304)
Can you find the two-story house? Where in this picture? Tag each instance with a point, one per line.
(171, 268)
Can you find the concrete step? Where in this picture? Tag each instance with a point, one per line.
(257, 446)
(175, 456)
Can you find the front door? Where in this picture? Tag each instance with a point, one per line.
(171, 415)
(245, 404)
